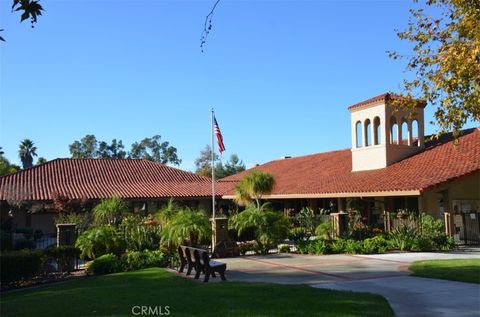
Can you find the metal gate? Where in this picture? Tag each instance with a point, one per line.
(467, 228)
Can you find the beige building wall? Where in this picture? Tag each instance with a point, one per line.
(440, 199)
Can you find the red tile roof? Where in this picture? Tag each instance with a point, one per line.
(331, 173)
(103, 178)
(385, 97)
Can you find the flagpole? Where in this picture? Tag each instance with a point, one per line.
(213, 168)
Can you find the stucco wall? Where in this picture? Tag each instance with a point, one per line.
(465, 188)
(44, 222)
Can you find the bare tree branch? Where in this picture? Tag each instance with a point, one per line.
(207, 26)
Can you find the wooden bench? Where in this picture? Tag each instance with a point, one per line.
(199, 260)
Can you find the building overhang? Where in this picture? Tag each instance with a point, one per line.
(395, 193)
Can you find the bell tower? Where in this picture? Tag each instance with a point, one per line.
(382, 135)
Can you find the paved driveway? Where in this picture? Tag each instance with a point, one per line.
(382, 274)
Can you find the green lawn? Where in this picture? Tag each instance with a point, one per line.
(116, 294)
(463, 270)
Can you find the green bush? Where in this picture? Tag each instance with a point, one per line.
(320, 247)
(325, 230)
(283, 248)
(64, 256)
(353, 246)
(297, 234)
(19, 265)
(105, 264)
(338, 246)
(98, 241)
(137, 260)
(377, 244)
(402, 237)
(141, 233)
(24, 244)
(247, 246)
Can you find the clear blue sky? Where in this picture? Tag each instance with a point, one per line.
(280, 74)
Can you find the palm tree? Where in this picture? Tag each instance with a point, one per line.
(26, 152)
(187, 225)
(270, 226)
(167, 212)
(253, 187)
(109, 211)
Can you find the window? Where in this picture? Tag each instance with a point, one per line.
(415, 140)
(358, 128)
(368, 133)
(404, 133)
(393, 131)
(377, 132)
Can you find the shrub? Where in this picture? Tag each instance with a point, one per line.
(137, 260)
(247, 246)
(320, 247)
(270, 226)
(402, 237)
(338, 246)
(24, 244)
(141, 233)
(325, 230)
(283, 248)
(353, 246)
(297, 234)
(98, 241)
(105, 264)
(303, 246)
(377, 244)
(64, 256)
(19, 265)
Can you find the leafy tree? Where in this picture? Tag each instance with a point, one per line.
(26, 151)
(167, 212)
(446, 61)
(154, 150)
(87, 147)
(269, 226)
(115, 150)
(98, 241)
(41, 160)
(6, 167)
(187, 225)
(233, 166)
(252, 187)
(204, 164)
(109, 211)
(30, 9)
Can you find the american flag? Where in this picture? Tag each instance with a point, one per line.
(218, 133)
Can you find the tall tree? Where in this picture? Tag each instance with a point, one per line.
(5, 166)
(154, 150)
(87, 147)
(203, 164)
(26, 151)
(41, 160)
(234, 165)
(114, 150)
(446, 61)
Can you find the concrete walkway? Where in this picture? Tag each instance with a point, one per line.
(385, 274)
